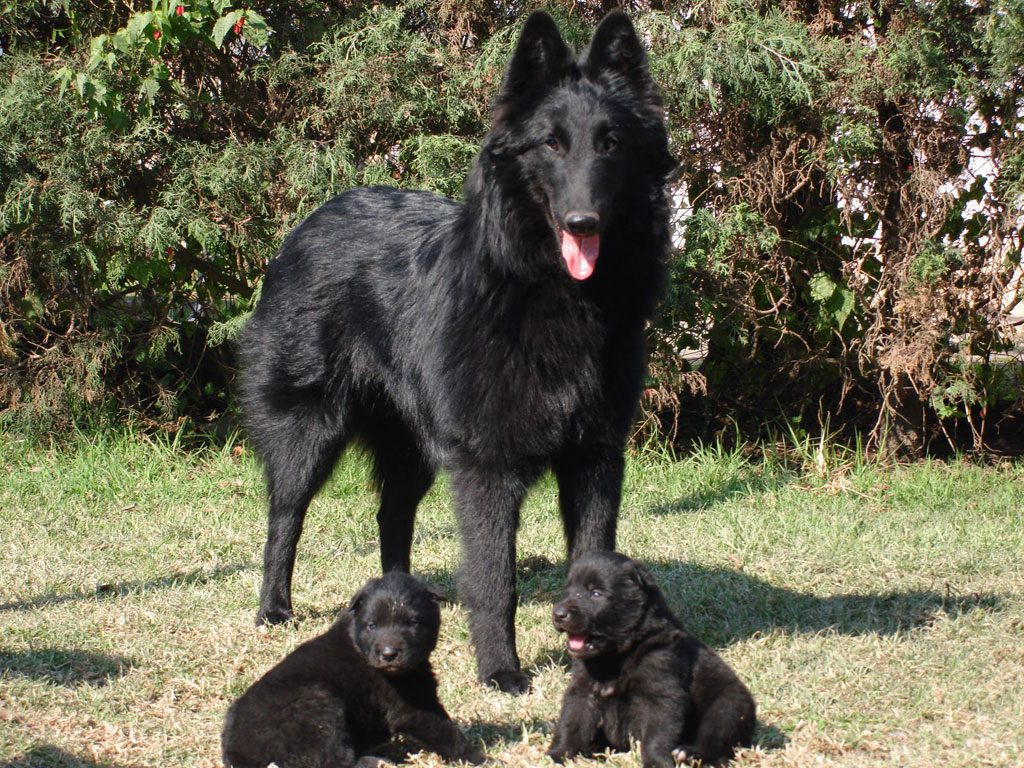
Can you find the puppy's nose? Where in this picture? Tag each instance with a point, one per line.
(389, 653)
(560, 614)
(582, 223)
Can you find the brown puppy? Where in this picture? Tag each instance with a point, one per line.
(637, 674)
(365, 679)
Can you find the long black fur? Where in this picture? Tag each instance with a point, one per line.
(451, 335)
(335, 696)
(638, 675)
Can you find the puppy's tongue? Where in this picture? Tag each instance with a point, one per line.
(576, 642)
(580, 254)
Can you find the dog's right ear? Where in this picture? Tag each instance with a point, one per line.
(360, 597)
(541, 59)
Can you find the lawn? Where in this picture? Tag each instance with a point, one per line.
(877, 614)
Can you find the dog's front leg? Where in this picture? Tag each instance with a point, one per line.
(589, 494)
(436, 732)
(577, 730)
(659, 727)
(487, 507)
(656, 751)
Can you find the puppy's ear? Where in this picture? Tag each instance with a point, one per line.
(436, 593)
(360, 597)
(644, 579)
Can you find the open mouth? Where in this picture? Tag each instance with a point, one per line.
(580, 644)
(577, 642)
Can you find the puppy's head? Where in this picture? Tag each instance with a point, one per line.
(606, 599)
(395, 621)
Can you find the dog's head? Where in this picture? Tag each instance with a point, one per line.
(607, 598)
(580, 136)
(394, 622)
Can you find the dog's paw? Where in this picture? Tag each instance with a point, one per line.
(512, 681)
(271, 616)
(558, 755)
(684, 755)
(473, 755)
(372, 761)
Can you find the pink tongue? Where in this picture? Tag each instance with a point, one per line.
(580, 254)
(576, 642)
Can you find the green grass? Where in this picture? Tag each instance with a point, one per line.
(877, 614)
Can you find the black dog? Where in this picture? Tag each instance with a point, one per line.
(637, 674)
(492, 339)
(365, 679)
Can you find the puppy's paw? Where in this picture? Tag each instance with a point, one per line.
(512, 681)
(684, 755)
(372, 761)
(473, 755)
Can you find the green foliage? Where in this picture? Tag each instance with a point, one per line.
(839, 250)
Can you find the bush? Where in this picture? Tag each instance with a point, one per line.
(850, 199)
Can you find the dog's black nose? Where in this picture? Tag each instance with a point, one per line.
(389, 653)
(560, 614)
(582, 223)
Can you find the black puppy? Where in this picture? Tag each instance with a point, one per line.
(365, 679)
(637, 674)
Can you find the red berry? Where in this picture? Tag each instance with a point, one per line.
(238, 25)
(179, 10)
(156, 34)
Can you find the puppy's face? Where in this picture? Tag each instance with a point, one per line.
(395, 621)
(605, 600)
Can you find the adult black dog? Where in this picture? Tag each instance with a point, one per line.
(638, 675)
(491, 339)
(368, 677)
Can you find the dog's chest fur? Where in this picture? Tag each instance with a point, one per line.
(616, 704)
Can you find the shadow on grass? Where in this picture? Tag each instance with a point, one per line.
(48, 756)
(722, 606)
(67, 668)
(745, 482)
(106, 591)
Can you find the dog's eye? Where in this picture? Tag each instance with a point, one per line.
(609, 144)
(371, 625)
(595, 593)
(553, 143)
(412, 623)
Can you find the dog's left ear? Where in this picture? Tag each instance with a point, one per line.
(616, 50)
(644, 578)
(435, 592)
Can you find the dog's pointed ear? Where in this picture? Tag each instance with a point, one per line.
(616, 51)
(541, 58)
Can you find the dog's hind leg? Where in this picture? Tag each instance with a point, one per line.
(589, 494)
(487, 507)
(298, 458)
(403, 477)
(729, 722)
